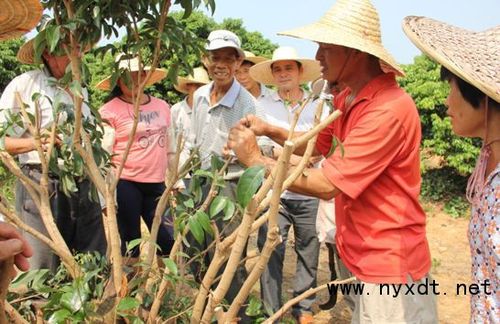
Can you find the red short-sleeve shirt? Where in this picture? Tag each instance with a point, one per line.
(380, 223)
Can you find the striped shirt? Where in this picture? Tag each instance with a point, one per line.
(210, 124)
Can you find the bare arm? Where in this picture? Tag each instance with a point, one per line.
(312, 182)
(277, 134)
(16, 146)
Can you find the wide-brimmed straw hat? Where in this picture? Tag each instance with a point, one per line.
(133, 66)
(252, 58)
(199, 76)
(26, 53)
(262, 72)
(350, 23)
(18, 17)
(472, 56)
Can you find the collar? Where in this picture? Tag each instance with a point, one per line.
(229, 98)
(276, 97)
(264, 91)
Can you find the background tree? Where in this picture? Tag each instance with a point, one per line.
(447, 159)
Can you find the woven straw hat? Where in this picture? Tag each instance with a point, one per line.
(472, 56)
(18, 17)
(252, 58)
(133, 66)
(26, 53)
(350, 23)
(262, 72)
(199, 76)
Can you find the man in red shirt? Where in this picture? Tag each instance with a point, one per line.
(380, 224)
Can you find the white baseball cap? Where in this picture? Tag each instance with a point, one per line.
(224, 38)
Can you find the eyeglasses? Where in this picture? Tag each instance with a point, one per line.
(229, 59)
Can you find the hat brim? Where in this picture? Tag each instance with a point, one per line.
(262, 72)
(472, 56)
(182, 83)
(18, 17)
(331, 34)
(218, 44)
(156, 76)
(26, 53)
(255, 59)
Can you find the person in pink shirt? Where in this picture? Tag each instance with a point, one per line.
(142, 180)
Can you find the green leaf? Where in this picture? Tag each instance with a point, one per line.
(171, 266)
(196, 229)
(204, 221)
(204, 173)
(76, 88)
(217, 205)
(189, 203)
(127, 303)
(53, 34)
(229, 210)
(249, 183)
(59, 316)
(254, 307)
(134, 243)
(216, 163)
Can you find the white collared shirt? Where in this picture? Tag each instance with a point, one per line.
(27, 84)
(278, 114)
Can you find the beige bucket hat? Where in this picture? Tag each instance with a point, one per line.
(262, 73)
(252, 58)
(133, 66)
(18, 17)
(350, 23)
(472, 56)
(199, 76)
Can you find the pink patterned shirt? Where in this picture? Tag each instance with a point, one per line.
(147, 160)
(484, 239)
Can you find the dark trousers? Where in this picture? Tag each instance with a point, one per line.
(301, 214)
(136, 199)
(77, 217)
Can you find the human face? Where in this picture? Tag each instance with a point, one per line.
(332, 59)
(286, 74)
(243, 76)
(222, 64)
(192, 87)
(57, 64)
(466, 120)
(131, 89)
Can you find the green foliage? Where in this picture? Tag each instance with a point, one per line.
(249, 183)
(10, 67)
(448, 182)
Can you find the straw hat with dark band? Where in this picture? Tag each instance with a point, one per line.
(350, 23)
(133, 66)
(199, 76)
(18, 17)
(472, 56)
(311, 70)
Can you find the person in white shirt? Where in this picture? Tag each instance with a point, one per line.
(18, 17)
(287, 71)
(77, 216)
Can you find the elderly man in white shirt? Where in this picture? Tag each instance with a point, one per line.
(77, 217)
(287, 71)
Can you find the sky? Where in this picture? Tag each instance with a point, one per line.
(272, 16)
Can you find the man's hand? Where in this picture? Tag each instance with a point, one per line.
(257, 125)
(244, 144)
(12, 244)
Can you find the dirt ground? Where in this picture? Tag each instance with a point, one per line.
(450, 266)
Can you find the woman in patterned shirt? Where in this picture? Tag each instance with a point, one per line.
(471, 65)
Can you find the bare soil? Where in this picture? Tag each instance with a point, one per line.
(450, 266)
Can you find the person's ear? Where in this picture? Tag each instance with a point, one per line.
(205, 61)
